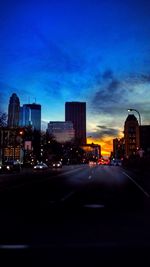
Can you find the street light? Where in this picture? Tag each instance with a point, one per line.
(132, 109)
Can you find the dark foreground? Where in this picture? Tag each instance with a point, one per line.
(81, 215)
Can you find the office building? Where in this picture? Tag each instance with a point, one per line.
(145, 139)
(91, 152)
(13, 111)
(118, 148)
(11, 144)
(76, 113)
(61, 131)
(30, 115)
(131, 136)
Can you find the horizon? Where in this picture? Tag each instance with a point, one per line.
(90, 139)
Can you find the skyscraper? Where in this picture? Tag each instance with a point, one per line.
(131, 136)
(13, 111)
(30, 115)
(76, 113)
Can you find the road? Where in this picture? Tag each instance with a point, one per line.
(74, 207)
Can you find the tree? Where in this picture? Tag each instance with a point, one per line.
(52, 150)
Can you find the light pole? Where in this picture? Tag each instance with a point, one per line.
(132, 109)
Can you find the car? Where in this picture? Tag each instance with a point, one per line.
(11, 166)
(104, 162)
(57, 164)
(1, 168)
(116, 162)
(92, 163)
(40, 166)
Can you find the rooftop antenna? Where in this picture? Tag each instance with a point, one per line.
(28, 99)
(35, 99)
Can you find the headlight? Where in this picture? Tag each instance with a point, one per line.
(53, 165)
(58, 165)
(35, 167)
(0, 167)
(8, 168)
(41, 167)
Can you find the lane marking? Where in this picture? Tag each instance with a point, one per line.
(67, 196)
(41, 180)
(51, 201)
(14, 246)
(140, 187)
(94, 206)
(69, 172)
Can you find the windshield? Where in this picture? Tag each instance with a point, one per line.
(75, 123)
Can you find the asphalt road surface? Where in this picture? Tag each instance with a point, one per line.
(77, 212)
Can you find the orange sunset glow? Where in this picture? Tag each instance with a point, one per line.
(106, 143)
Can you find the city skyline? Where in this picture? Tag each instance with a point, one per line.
(106, 150)
(90, 51)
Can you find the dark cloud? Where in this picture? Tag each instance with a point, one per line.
(145, 77)
(107, 97)
(138, 78)
(100, 77)
(108, 74)
(114, 95)
(113, 86)
(104, 131)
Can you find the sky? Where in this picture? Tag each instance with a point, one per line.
(97, 51)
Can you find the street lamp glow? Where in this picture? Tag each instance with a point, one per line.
(132, 109)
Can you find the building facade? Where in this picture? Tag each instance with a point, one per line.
(131, 136)
(13, 111)
(11, 144)
(76, 113)
(145, 139)
(61, 131)
(91, 152)
(30, 115)
(118, 148)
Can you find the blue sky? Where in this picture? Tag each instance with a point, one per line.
(87, 50)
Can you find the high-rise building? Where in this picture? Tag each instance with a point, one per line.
(13, 111)
(30, 115)
(76, 112)
(62, 131)
(145, 139)
(131, 136)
